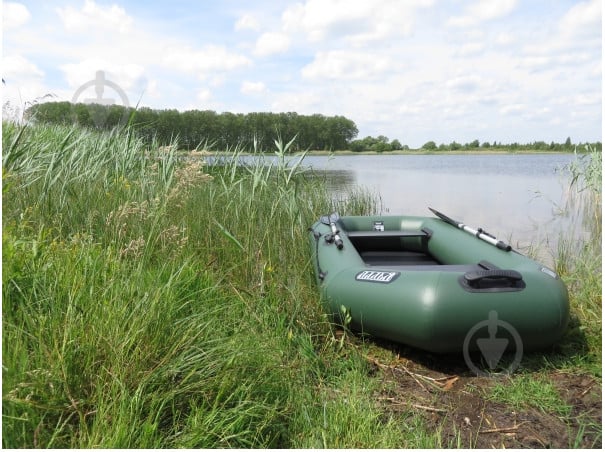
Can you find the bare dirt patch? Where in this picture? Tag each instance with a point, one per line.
(455, 402)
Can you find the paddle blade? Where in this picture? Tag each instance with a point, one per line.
(444, 218)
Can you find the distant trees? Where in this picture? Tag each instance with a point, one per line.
(429, 146)
(255, 131)
(192, 127)
(515, 146)
(376, 144)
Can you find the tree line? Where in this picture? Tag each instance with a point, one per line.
(254, 131)
(206, 127)
(567, 146)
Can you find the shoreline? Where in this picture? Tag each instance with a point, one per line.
(408, 152)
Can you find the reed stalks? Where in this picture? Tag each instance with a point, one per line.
(578, 257)
(150, 300)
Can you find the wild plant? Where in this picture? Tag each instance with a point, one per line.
(150, 300)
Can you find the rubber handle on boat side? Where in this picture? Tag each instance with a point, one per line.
(477, 276)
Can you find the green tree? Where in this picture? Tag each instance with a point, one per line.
(454, 146)
(429, 146)
(396, 145)
(223, 130)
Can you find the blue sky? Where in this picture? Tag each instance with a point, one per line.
(415, 70)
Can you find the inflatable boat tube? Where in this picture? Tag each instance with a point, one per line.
(427, 283)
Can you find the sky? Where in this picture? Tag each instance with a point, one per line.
(413, 70)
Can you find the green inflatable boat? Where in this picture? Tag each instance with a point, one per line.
(431, 282)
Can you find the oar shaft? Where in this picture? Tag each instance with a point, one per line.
(483, 236)
(477, 233)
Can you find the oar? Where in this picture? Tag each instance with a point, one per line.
(481, 234)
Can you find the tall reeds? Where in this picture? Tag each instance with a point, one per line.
(578, 256)
(152, 301)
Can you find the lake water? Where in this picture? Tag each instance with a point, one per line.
(517, 197)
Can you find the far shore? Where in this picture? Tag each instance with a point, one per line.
(479, 151)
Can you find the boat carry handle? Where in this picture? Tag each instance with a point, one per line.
(478, 275)
(492, 280)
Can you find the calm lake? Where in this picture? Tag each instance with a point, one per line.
(520, 198)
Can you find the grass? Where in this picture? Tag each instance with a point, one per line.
(529, 391)
(150, 301)
(579, 354)
(580, 261)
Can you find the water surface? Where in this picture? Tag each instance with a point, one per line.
(517, 197)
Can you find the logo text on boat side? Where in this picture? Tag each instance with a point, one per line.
(377, 276)
(378, 226)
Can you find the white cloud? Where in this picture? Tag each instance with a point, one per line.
(95, 17)
(14, 15)
(201, 62)
(24, 82)
(204, 95)
(587, 99)
(343, 64)
(271, 43)
(470, 48)
(318, 18)
(110, 37)
(247, 22)
(385, 64)
(17, 67)
(464, 83)
(572, 50)
(513, 109)
(505, 39)
(301, 102)
(359, 22)
(128, 77)
(248, 87)
(409, 109)
(482, 11)
(582, 15)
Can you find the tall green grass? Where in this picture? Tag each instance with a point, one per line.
(578, 257)
(152, 301)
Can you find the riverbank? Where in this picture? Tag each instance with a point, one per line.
(150, 301)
